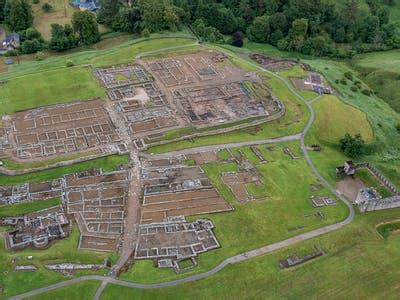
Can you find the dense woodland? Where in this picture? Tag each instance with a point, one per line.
(314, 27)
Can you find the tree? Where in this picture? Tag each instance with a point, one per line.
(18, 15)
(47, 7)
(108, 11)
(171, 19)
(297, 34)
(85, 26)
(31, 46)
(153, 14)
(237, 39)
(129, 19)
(62, 38)
(259, 30)
(353, 147)
(2, 4)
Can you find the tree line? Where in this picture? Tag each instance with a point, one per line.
(313, 27)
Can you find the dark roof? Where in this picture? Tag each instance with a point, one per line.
(12, 37)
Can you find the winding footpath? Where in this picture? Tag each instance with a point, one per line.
(240, 257)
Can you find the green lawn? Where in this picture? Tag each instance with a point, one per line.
(108, 163)
(287, 189)
(46, 88)
(24, 208)
(335, 118)
(359, 265)
(84, 291)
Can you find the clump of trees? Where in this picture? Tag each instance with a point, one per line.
(352, 146)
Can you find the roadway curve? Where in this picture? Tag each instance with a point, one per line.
(237, 258)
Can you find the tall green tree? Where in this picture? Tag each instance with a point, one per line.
(108, 11)
(62, 37)
(2, 4)
(18, 15)
(85, 26)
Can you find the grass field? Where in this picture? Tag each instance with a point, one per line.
(359, 265)
(83, 290)
(51, 87)
(286, 192)
(27, 207)
(108, 163)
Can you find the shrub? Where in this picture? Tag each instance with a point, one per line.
(398, 127)
(69, 63)
(145, 32)
(366, 92)
(337, 81)
(11, 53)
(354, 88)
(35, 1)
(47, 7)
(343, 81)
(39, 56)
(353, 147)
(349, 76)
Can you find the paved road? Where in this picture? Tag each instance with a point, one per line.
(237, 258)
(295, 137)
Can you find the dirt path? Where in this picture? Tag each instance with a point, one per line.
(132, 212)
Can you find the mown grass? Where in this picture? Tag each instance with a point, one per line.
(83, 290)
(286, 203)
(358, 264)
(108, 163)
(24, 208)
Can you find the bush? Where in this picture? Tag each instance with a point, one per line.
(353, 147)
(354, 88)
(343, 81)
(69, 63)
(40, 56)
(10, 53)
(35, 1)
(398, 127)
(47, 7)
(237, 39)
(349, 76)
(146, 33)
(337, 81)
(366, 92)
(31, 46)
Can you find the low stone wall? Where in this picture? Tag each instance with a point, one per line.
(385, 203)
